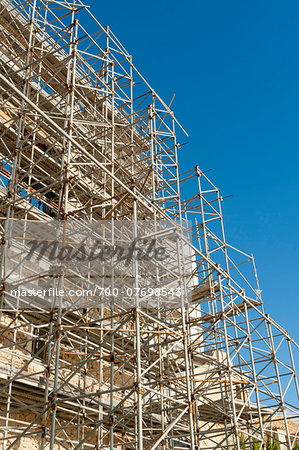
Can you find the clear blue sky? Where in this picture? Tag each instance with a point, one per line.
(234, 67)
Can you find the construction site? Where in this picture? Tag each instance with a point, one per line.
(172, 355)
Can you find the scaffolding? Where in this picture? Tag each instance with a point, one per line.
(84, 137)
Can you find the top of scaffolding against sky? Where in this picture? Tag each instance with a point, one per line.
(63, 56)
(84, 136)
(103, 72)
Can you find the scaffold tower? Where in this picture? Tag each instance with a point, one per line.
(85, 139)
